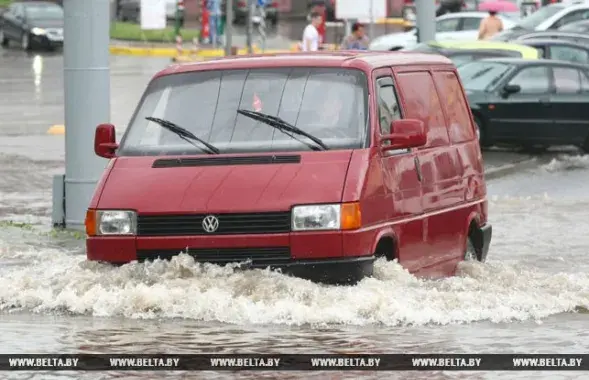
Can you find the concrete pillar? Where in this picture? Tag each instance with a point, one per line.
(426, 20)
(87, 104)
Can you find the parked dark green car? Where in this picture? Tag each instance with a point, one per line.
(528, 102)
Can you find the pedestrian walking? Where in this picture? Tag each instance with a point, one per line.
(311, 33)
(490, 26)
(357, 40)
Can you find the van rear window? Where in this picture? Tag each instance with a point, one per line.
(328, 103)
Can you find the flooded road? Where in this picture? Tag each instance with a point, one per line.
(530, 297)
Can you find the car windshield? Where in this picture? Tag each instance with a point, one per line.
(480, 75)
(44, 11)
(330, 104)
(532, 21)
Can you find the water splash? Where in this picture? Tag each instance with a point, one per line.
(54, 281)
(567, 163)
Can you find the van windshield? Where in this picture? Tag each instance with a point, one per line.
(328, 103)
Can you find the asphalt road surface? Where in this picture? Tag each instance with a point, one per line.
(531, 296)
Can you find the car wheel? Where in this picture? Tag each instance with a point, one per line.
(470, 253)
(3, 39)
(480, 132)
(25, 41)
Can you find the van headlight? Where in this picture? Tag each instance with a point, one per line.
(340, 216)
(111, 222)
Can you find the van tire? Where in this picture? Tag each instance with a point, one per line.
(470, 253)
(385, 248)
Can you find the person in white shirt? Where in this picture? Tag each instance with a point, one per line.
(311, 34)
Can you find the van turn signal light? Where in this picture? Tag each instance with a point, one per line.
(351, 217)
(90, 222)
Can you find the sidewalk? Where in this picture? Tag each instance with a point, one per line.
(273, 44)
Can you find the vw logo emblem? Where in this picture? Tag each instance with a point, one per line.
(210, 223)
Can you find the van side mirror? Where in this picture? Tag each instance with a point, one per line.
(511, 89)
(105, 141)
(406, 133)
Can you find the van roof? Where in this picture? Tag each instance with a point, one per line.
(364, 60)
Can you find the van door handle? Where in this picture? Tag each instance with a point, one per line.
(417, 168)
(544, 101)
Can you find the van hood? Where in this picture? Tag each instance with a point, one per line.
(223, 187)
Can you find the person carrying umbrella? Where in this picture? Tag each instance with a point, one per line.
(490, 25)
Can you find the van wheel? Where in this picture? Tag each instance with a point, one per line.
(471, 253)
(385, 248)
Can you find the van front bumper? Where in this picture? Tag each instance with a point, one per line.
(314, 256)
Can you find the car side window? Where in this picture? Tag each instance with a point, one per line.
(568, 53)
(471, 23)
(447, 25)
(532, 80)
(388, 105)
(566, 80)
(423, 103)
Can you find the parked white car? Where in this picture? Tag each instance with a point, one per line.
(549, 17)
(461, 26)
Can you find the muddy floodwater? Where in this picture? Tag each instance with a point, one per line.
(531, 296)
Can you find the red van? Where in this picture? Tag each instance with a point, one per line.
(313, 163)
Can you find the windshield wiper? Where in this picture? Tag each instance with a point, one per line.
(285, 127)
(185, 135)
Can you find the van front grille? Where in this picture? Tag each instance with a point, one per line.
(228, 224)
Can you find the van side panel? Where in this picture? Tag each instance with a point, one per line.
(441, 167)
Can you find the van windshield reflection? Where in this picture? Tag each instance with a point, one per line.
(329, 104)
